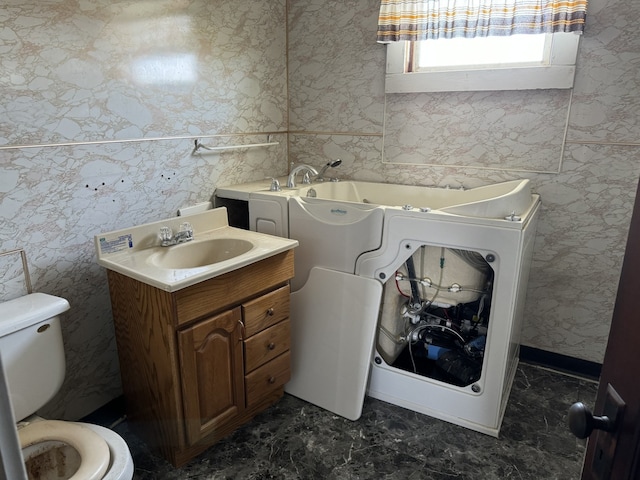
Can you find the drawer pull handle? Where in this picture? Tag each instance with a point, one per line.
(272, 380)
(270, 312)
(271, 346)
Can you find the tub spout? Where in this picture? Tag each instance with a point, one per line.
(308, 169)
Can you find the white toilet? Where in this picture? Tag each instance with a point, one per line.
(33, 356)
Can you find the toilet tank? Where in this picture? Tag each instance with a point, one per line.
(32, 350)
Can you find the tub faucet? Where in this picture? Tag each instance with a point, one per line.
(330, 164)
(291, 179)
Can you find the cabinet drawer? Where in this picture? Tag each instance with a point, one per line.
(266, 310)
(267, 378)
(232, 288)
(266, 345)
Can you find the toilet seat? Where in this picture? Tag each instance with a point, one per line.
(93, 450)
(121, 462)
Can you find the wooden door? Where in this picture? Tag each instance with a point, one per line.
(212, 373)
(621, 370)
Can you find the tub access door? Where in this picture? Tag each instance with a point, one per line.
(332, 234)
(333, 324)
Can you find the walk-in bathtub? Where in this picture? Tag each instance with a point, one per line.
(413, 295)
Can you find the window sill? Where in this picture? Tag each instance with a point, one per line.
(518, 78)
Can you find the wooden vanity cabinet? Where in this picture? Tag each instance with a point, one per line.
(198, 363)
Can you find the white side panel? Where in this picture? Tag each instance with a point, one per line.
(269, 214)
(524, 268)
(480, 409)
(436, 399)
(331, 234)
(333, 323)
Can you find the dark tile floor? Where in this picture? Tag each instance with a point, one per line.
(296, 440)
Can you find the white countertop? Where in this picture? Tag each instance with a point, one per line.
(244, 190)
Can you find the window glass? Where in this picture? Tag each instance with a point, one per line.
(467, 52)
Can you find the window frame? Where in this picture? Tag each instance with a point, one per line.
(558, 73)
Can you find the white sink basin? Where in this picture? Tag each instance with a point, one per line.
(199, 254)
(216, 249)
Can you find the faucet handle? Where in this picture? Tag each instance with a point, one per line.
(187, 229)
(275, 185)
(166, 234)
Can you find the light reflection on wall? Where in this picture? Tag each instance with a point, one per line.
(164, 69)
(161, 47)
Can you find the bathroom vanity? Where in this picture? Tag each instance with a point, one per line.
(198, 357)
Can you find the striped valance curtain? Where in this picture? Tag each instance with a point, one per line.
(430, 19)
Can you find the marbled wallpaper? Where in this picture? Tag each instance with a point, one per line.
(101, 102)
(509, 130)
(99, 70)
(580, 148)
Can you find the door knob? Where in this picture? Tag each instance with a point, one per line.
(602, 447)
(582, 422)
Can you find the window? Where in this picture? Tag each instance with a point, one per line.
(519, 62)
(468, 45)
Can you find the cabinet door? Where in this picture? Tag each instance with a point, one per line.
(212, 373)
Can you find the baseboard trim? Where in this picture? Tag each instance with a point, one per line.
(562, 363)
(114, 411)
(109, 414)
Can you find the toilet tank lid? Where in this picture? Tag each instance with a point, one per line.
(28, 310)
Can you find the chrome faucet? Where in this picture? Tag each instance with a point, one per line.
(330, 164)
(167, 238)
(291, 179)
